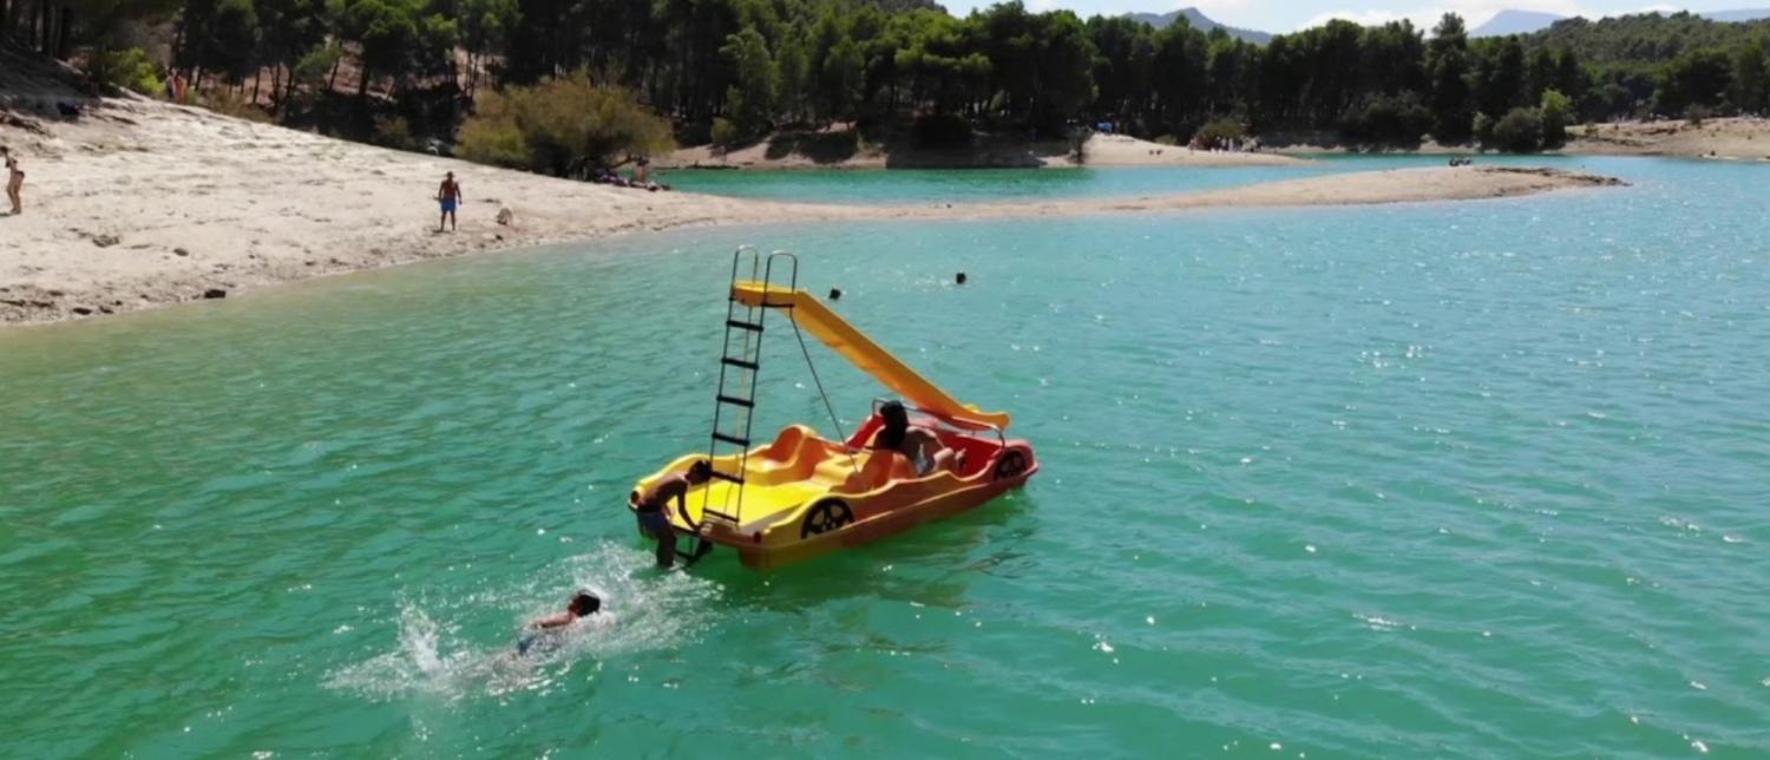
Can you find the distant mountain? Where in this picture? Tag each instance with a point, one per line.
(1531, 22)
(1515, 22)
(1738, 16)
(1200, 22)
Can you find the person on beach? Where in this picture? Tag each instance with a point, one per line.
(921, 445)
(543, 633)
(15, 181)
(652, 508)
(449, 195)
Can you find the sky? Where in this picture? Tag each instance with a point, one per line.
(1291, 15)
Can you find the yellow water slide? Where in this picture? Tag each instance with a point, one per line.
(852, 344)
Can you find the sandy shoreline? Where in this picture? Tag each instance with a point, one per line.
(143, 204)
(1733, 138)
(796, 152)
(1726, 139)
(1739, 138)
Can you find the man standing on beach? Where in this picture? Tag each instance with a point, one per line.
(15, 181)
(449, 195)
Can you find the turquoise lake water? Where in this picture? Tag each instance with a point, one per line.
(1435, 480)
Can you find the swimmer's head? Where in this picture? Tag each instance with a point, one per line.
(585, 603)
(700, 472)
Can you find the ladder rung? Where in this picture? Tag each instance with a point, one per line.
(710, 512)
(742, 325)
(728, 477)
(732, 439)
(749, 365)
(735, 401)
(767, 305)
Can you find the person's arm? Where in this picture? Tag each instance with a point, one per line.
(933, 448)
(556, 620)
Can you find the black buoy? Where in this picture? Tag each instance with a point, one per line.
(962, 278)
(835, 294)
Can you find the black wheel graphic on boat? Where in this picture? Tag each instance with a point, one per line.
(825, 516)
(1011, 465)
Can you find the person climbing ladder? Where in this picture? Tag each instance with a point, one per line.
(652, 508)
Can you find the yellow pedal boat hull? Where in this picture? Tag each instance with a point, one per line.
(804, 496)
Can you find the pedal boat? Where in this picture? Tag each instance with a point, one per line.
(802, 495)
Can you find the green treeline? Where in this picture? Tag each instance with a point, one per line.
(734, 70)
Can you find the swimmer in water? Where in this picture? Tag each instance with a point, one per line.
(543, 632)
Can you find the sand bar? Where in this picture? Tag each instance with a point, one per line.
(801, 152)
(142, 204)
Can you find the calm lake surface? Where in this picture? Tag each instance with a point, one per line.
(1436, 480)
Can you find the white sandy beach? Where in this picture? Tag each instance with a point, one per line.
(140, 204)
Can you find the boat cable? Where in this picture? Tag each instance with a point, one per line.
(831, 408)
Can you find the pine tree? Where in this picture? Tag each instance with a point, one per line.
(1447, 67)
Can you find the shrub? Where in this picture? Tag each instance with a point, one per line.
(1556, 109)
(232, 103)
(314, 68)
(694, 133)
(490, 137)
(940, 131)
(1606, 101)
(1218, 133)
(130, 70)
(1697, 114)
(1387, 119)
(562, 126)
(726, 133)
(1483, 129)
(394, 132)
(1519, 131)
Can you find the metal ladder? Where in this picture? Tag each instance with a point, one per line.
(740, 362)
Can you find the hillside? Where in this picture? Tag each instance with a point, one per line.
(1201, 22)
(1530, 22)
(1753, 14)
(1644, 39)
(1515, 22)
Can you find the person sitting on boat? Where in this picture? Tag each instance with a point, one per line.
(921, 445)
(543, 632)
(652, 508)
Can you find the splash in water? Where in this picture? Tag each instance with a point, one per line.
(642, 610)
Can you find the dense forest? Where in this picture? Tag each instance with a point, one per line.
(735, 70)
